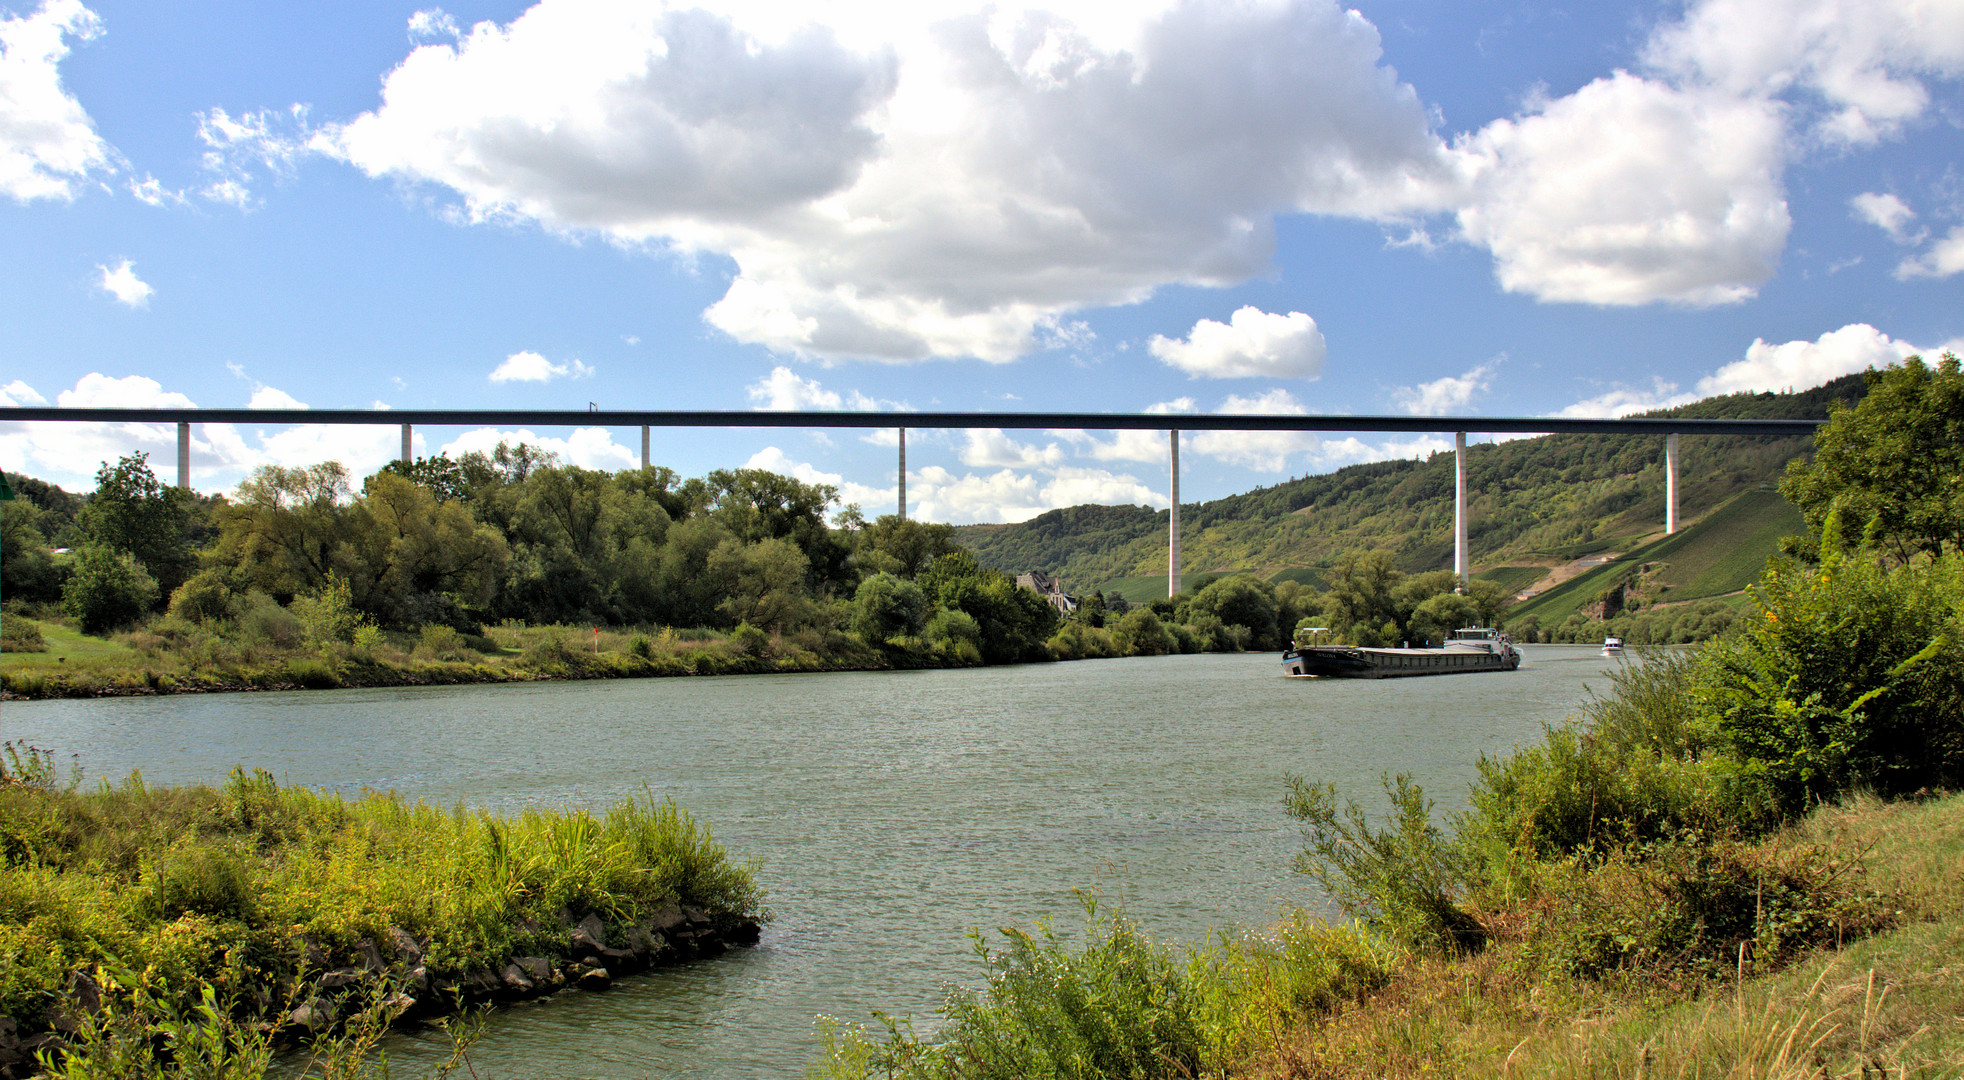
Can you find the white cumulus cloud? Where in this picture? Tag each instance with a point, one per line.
(784, 390)
(1440, 396)
(1860, 64)
(47, 141)
(1251, 343)
(1945, 257)
(123, 284)
(587, 447)
(19, 393)
(528, 366)
(864, 496)
(1630, 191)
(944, 179)
(1885, 212)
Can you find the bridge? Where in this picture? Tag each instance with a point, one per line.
(1172, 424)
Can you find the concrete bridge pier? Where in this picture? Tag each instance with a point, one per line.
(1670, 483)
(408, 452)
(644, 446)
(1460, 565)
(184, 454)
(903, 474)
(1173, 521)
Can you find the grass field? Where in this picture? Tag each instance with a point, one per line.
(1720, 554)
(1512, 578)
(66, 647)
(1147, 587)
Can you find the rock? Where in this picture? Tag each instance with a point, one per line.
(617, 959)
(515, 979)
(482, 983)
(645, 940)
(311, 955)
(339, 978)
(597, 979)
(418, 979)
(666, 919)
(386, 1011)
(536, 968)
(697, 917)
(368, 955)
(747, 932)
(405, 946)
(83, 992)
(316, 1015)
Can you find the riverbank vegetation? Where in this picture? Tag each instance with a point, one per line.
(267, 913)
(1741, 862)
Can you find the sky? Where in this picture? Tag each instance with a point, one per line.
(1233, 206)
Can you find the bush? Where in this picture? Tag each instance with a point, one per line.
(955, 635)
(204, 597)
(18, 634)
(329, 614)
(1140, 633)
(887, 607)
(107, 590)
(1849, 674)
(1406, 880)
(750, 641)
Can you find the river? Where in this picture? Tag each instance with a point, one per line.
(892, 811)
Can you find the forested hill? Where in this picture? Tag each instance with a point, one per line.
(1535, 502)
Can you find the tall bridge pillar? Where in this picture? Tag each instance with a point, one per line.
(1173, 521)
(408, 451)
(1460, 566)
(644, 446)
(184, 454)
(903, 474)
(1670, 483)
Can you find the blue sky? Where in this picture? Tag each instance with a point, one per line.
(1256, 206)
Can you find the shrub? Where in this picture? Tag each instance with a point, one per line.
(955, 635)
(1140, 633)
(750, 641)
(1847, 674)
(107, 590)
(203, 597)
(888, 607)
(1405, 879)
(439, 642)
(640, 646)
(262, 621)
(329, 614)
(18, 634)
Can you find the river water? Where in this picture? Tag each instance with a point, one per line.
(893, 811)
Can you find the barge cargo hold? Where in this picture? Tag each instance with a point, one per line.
(1468, 650)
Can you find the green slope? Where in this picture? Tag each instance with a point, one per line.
(1721, 553)
(1534, 502)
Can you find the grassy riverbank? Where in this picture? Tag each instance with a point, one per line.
(172, 656)
(295, 910)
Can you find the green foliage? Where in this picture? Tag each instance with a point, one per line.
(1846, 674)
(1404, 878)
(887, 607)
(19, 634)
(1140, 633)
(133, 513)
(1891, 464)
(328, 614)
(1701, 906)
(196, 887)
(27, 568)
(108, 589)
(1244, 601)
(205, 597)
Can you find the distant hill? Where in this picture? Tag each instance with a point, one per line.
(1538, 505)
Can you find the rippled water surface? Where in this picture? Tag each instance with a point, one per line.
(893, 811)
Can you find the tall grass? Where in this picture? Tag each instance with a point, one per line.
(231, 887)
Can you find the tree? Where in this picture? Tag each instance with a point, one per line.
(902, 546)
(887, 607)
(27, 570)
(108, 589)
(1893, 465)
(1241, 600)
(284, 531)
(133, 512)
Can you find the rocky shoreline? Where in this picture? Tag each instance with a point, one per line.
(388, 980)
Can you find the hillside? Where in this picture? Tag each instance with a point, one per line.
(1537, 504)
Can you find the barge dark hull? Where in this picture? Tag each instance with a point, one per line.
(1345, 662)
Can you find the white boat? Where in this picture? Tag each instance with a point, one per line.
(1612, 646)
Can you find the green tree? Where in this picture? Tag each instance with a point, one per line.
(133, 512)
(1893, 465)
(27, 569)
(1242, 600)
(902, 546)
(1360, 599)
(286, 527)
(108, 589)
(887, 607)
